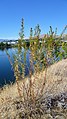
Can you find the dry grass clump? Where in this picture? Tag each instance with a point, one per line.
(24, 105)
(36, 95)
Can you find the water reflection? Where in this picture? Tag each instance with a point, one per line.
(7, 61)
(6, 72)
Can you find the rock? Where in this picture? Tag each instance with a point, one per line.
(60, 117)
(59, 107)
(48, 111)
(48, 116)
(43, 117)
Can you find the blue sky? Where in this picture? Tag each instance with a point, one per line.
(43, 12)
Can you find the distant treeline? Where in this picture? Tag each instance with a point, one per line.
(5, 45)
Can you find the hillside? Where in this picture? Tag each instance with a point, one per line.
(52, 103)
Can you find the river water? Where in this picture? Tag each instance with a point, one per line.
(8, 56)
(6, 68)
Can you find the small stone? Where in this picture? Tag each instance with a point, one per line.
(48, 116)
(60, 117)
(48, 111)
(43, 118)
(59, 106)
